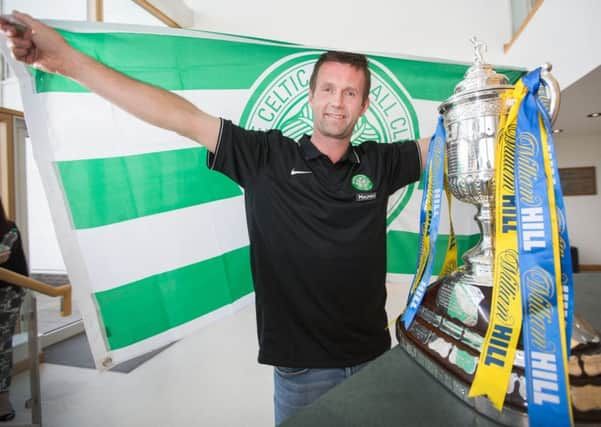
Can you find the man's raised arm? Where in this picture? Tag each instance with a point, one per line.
(42, 47)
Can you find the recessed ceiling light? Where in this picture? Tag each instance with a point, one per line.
(593, 115)
(557, 130)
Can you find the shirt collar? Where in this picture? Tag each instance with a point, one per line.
(311, 152)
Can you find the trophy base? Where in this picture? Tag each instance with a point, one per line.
(447, 334)
(482, 405)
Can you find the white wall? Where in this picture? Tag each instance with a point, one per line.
(583, 211)
(564, 33)
(560, 32)
(427, 28)
(127, 12)
(55, 9)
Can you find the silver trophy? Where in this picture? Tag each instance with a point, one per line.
(448, 332)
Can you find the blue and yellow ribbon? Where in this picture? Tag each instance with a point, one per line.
(532, 266)
(429, 220)
(500, 343)
(544, 337)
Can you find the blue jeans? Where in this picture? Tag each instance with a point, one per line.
(298, 387)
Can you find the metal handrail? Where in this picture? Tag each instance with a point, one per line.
(63, 291)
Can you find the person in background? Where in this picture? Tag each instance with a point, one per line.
(12, 258)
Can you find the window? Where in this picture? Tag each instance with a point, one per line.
(521, 13)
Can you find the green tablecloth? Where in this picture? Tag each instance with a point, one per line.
(395, 391)
(391, 391)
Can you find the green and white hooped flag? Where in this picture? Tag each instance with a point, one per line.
(154, 243)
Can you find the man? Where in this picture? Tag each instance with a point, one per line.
(316, 210)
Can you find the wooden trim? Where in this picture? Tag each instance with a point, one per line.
(157, 13)
(7, 165)
(95, 10)
(7, 161)
(526, 21)
(590, 267)
(99, 11)
(17, 113)
(63, 291)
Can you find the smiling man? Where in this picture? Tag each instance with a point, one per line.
(316, 209)
(339, 89)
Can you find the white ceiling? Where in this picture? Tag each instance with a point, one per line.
(579, 99)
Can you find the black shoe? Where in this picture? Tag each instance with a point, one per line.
(8, 416)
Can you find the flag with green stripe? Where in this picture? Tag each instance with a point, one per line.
(156, 244)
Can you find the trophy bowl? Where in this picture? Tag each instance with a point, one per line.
(448, 331)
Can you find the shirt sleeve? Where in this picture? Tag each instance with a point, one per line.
(240, 154)
(403, 162)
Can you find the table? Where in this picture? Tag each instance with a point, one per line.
(394, 390)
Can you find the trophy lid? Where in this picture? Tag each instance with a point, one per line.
(480, 76)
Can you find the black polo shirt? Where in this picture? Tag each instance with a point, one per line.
(317, 242)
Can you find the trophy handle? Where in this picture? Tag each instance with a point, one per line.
(551, 94)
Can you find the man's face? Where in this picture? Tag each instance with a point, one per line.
(337, 100)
